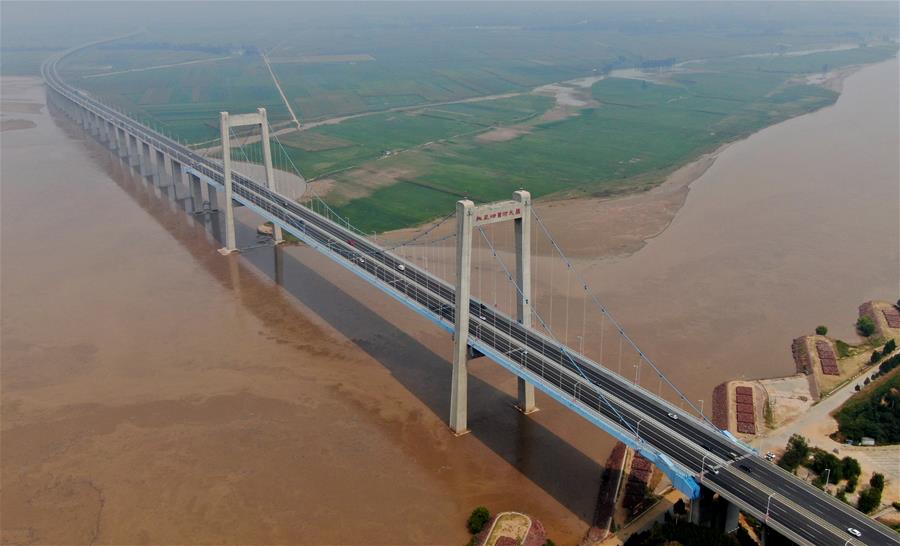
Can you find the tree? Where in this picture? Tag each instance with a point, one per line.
(877, 481)
(876, 356)
(821, 330)
(796, 452)
(680, 509)
(889, 347)
(865, 326)
(851, 468)
(869, 500)
(480, 516)
(856, 388)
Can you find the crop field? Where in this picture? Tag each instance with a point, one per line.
(639, 132)
(386, 94)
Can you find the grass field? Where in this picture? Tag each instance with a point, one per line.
(638, 133)
(410, 155)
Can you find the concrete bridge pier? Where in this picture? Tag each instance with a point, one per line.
(134, 152)
(146, 159)
(213, 198)
(460, 377)
(89, 122)
(712, 510)
(112, 137)
(196, 188)
(95, 127)
(176, 175)
(160, 176)
(122, 143)
(522, 228)
(230, 238)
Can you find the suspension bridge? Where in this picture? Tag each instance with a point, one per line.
(472, 276)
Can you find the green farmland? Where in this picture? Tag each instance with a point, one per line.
(406, 110)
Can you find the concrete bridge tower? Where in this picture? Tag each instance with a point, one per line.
(468, 217)
(228, 121)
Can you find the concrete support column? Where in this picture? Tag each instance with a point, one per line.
(134, 151)
(196, 187)
(112, 136)
(213, 197)
(267, 161)
(162, 178)
(230, 239)
(459, 381)
(95, 126)
(177, 176)
(123, 142)
(522, 229)
(732, 513)
(146, 159)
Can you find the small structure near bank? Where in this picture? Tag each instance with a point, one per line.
(512, 529)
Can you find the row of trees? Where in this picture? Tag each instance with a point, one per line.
(874, 413)
(870, 498)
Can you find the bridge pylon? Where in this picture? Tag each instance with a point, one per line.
(226, 122)
(468, 216)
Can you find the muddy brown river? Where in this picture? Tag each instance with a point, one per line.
(156, 392)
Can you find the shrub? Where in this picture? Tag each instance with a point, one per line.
(821, 330)
(851, 468)
(843, 348)
(865, 326)
(851, 485)
(869, 500)
(796, 452)
(480, 516)
(825, 463)
(896, 505)
(876, 356)
(877, 481)
(889, 347)
(549, 543)
(679, 508)
(856, 388)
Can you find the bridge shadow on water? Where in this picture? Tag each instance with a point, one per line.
(557, 467)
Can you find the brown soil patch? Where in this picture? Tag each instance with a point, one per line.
(501, 134)
(16, 125)
(20, 107)
(629, 221)
(556, 114)
(363, 181)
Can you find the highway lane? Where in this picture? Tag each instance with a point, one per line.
(640, 410)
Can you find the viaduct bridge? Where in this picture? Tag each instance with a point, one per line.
(700, 459)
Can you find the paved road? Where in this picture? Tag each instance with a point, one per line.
(695, 447)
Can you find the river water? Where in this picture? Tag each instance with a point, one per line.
(156, 392)
(791, 228)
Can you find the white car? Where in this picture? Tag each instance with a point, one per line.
(401, 267)
(854, 532)
(672, 416)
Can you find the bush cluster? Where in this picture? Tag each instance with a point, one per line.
(796, 453)
(876, 412)
(477, 520)
(870, 499)
(865, 326)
